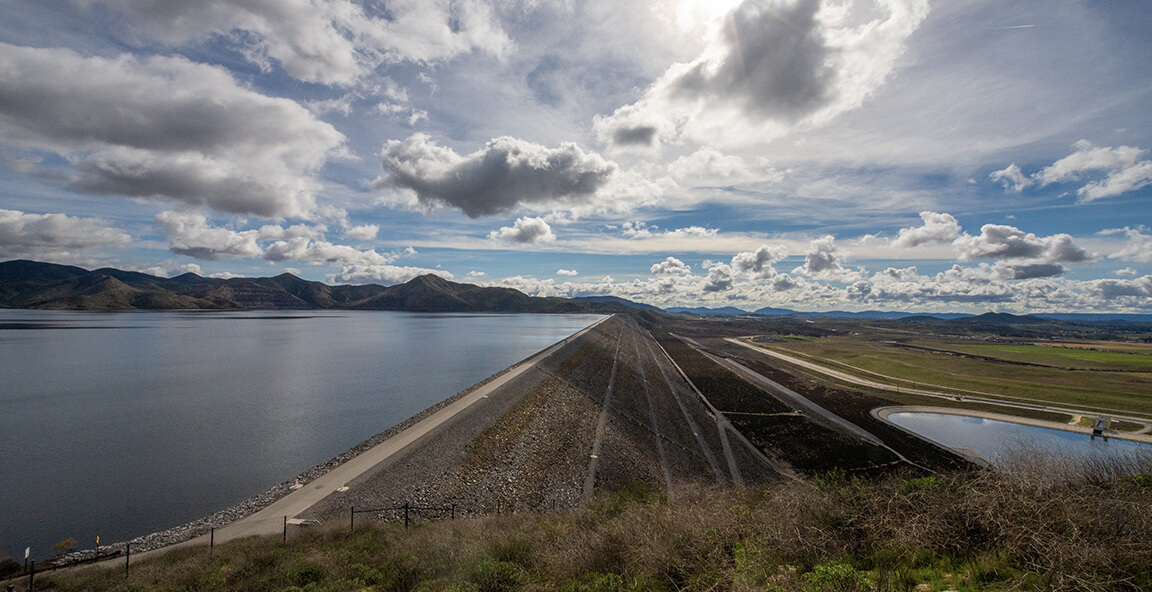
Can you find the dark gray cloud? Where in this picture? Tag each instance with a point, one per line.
(776, 62)
(163, 127)
(1038, 270)
(644, 135)
(997, 241)
(53, 235)
(719, 279)
(507, 174)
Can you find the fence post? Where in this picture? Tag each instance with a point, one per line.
(453, 511)
(32, 575)
(352, 518)
(405, 515)
(211, 540)
(285, 529)
(127, 557)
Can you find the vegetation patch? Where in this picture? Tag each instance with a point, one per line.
(1041, 527)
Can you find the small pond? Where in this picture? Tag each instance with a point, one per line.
(992, 438)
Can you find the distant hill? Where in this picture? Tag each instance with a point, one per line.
(617, 299)
(701, 310)
(31, 284)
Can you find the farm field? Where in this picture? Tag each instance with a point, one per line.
(1098, 378)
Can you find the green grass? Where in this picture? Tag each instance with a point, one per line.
(911, 368)
(1043, 528)
(1063, 357)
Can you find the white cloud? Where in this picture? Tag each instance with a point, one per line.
(164, 127)
(324, 41)
(1124, 167)
(1139, 247)
(758, 264)
(568, 272)
(381, 274)
(769, 65)
(1127, 272)
(1011, 177)
(525, 231)
(189, 234)
(321, 251)
(720, 278)
(823, 260)
(54, 236)
(507, 174)
(171, 268)
(1134, 292)
(671, 266)
(362, 232)
(937, 229)
(710, 166)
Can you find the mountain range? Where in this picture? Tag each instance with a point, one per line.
(31, 284)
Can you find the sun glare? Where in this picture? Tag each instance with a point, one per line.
(694, 13)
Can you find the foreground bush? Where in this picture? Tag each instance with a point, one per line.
(1059, 526)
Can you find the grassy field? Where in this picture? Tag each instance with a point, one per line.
(1101, 380)
(1133, 357)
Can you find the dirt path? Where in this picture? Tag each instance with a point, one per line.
(695, 427)
(601, 424)
(655, 424)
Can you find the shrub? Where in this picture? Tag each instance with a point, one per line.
(836, 577)
(490, 575)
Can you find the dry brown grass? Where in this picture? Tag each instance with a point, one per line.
(1043, 527)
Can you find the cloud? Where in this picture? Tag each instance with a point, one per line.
(1139, 247)
(709, 165)
(568, 272)
(771, 65)
(321, 251)
(54, 236)
(1011, 177)
(998, 241)
(642, 230)
(189, 234)
(525, 231)
(381, 274)
(1127, 272)
(823, 260)
(937, 229)
(671, 266)
(1124, 167)
(362, 232)
(164, 127)
(506, 174)
(324, 41)
(720, 278)
(1134, 292)
(758, 264)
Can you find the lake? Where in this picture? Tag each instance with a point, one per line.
(122, 424)
(993, 438)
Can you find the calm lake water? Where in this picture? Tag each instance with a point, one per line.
(121, 424)
(992, 438)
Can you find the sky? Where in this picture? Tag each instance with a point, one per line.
(961, 156)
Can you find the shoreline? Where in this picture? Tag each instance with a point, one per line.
(189, 531)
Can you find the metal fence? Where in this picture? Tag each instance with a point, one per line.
(408, 513)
